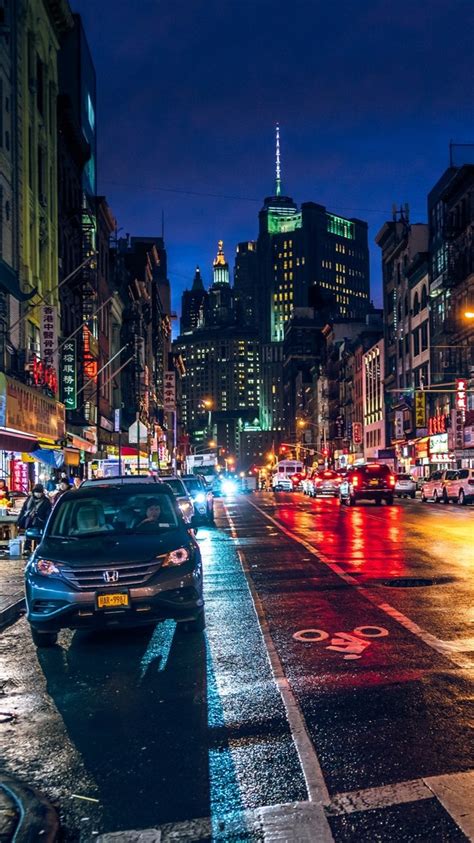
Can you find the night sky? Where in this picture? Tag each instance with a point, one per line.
(368, 96)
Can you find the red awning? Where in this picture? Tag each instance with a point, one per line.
(19, 442)
(127, 451)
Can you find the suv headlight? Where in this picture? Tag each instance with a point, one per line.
(176, 557)
(200, 497)
(45, 567)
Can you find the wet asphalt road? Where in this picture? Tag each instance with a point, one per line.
(156, 727)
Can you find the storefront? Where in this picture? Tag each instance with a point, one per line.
(129, 461)
(32, 426)
(440, 457)
(422, 457)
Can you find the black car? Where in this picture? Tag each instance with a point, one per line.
(371, 481)
(114, 556)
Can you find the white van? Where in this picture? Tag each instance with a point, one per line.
(281, 480)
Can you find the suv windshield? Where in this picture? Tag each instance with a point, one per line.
(115, 511)
(193, 485)
(175, 485)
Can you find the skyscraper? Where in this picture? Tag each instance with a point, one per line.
(306, 256)
(193, 304)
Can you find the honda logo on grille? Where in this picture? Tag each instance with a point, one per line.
(111, 576)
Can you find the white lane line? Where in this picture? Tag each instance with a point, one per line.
(379, 797)
(315, 784)
(455, 792)
(444, 647)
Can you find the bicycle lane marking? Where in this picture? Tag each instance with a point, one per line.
(315, 784)
(445, 648)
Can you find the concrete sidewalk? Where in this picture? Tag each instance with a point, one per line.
(12, 599)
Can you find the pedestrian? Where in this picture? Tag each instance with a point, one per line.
(77, 482)
(51, 484)
(64, 476)
(34, 512)
(63, 486)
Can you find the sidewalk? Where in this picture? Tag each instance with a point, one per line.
(12, 600)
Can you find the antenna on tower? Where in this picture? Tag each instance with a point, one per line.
(277, 162)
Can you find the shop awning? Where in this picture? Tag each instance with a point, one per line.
(55, 459)
(10, 282)
(20, 442)
(127, 451)
(81, 444)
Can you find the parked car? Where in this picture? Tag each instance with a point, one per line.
(326, 482)
(201, 495)
(405, 486)
(122, 478)
(115, 555)
(181, 494)
(371, 481)
(460, 488)
(433, 488)
(307, 484)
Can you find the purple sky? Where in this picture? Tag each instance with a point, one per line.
(368, 97)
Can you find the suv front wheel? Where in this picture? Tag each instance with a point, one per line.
(389, 500)
(44, 639)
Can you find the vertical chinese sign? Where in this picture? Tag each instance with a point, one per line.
(49, 337)
(69, 375)
(169, 392)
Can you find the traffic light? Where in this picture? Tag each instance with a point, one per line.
(325, 452)
(283, 449)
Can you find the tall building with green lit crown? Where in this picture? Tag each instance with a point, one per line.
(307, 256)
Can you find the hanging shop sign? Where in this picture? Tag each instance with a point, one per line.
(69, 374)
(421, 449)
(357, 433)
(457, 428)
(25, 409)
(420, 409)
(169, 392)
(49, 336)
(399, 433)
(461, 397)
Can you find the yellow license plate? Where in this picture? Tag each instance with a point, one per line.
(374, 482)
(112, 601)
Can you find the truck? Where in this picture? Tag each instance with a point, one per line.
(205, 464)
(282, 474)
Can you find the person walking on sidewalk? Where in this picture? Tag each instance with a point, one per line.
(63, 486)
(34, 512)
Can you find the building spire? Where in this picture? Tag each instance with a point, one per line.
(277, 162)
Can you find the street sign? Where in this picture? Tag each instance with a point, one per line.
(420, 409)
(137, 432)
(117, 414)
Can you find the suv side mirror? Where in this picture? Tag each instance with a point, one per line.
(33, 533)
(195, 523)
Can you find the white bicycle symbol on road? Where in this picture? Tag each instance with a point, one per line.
(351, 644)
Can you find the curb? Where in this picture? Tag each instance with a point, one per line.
(38, 820)
(9, 614)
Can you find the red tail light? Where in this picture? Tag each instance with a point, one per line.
(391, 480)
(355, 481)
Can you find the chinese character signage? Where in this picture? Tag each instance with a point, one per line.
(169, 391)
(49, 336)
(26, 409)
(19, 476)
(436, 424)
(357, 433)
(420, 409)
(90, 354)
(69, 374)
(399, 434)
(461, 398)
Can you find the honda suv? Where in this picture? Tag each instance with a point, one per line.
(373, 481)
(113, 556)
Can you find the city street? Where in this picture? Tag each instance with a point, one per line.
(355, 697)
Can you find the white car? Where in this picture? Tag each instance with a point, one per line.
(433, 488)
(460, 488)
(282, 483)
(405, 486)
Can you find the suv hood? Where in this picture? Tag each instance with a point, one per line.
(109, 550)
